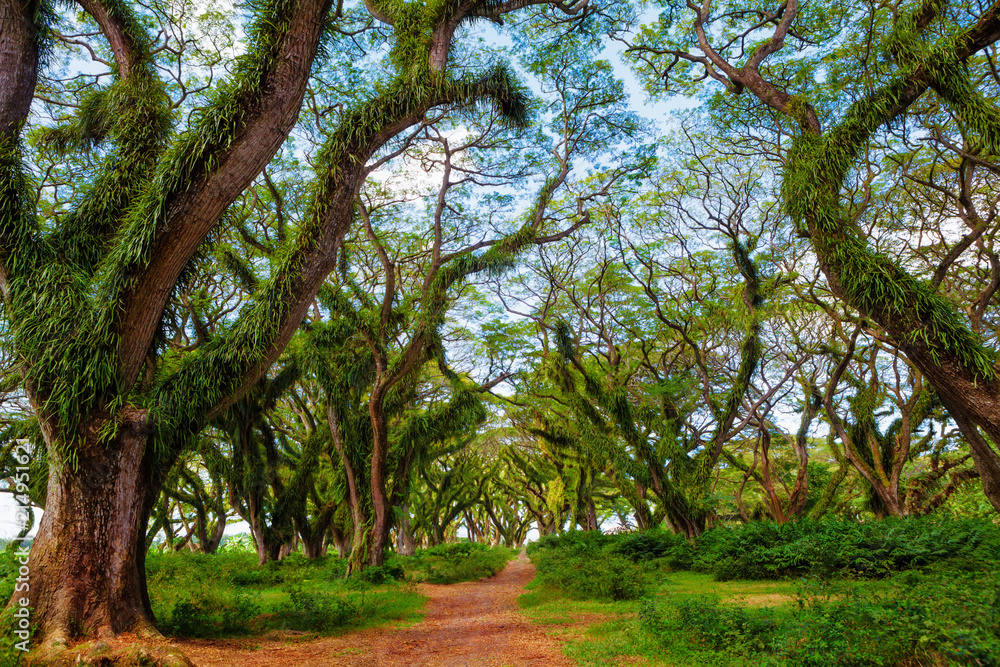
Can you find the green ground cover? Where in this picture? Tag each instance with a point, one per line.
(875, 594)
(228, 594)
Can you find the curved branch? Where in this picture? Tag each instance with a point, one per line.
(128, 41)
(203, 175)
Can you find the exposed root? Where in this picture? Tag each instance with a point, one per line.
(122, 651)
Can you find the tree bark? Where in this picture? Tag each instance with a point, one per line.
(358, 520)
(405, 544)
(341, 541)
(381, 507)
(768, 479)
(88, 549)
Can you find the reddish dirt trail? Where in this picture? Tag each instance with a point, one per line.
(474, 623)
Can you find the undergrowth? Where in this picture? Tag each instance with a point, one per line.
(229, 594)
(452, 563)
(901, 593)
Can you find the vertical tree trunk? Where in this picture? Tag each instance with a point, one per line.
(341, 541)
(777, 512)
(592, 515)
(359, 522)
(381, 507)
(405, 544)
(89, 546)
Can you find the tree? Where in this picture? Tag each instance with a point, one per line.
(878, 64)
(86, 292)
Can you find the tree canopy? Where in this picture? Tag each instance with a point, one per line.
(372, 274)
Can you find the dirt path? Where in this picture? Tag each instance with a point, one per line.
(474, 623)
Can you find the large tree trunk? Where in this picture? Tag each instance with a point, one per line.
(359, 521)
(771, 496)
(341, 541)
(315, 546)
(89, 558)
(985, 457)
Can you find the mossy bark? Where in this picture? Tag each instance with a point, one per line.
(87, 564)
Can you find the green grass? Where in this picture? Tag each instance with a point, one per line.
(760, 593)
(606, 632)
(923, 607)
(228, 594)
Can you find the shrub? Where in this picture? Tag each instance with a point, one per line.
(206, 616)
(237, 616)
(646, 545)
(260, 577)
(316, 611)
(10, 655)
(943, 616)
(720, 626)
(381, 574)
(189, 619)
(585, 565)
(452, 563)
(870, 550)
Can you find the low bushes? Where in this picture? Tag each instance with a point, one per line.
(211, 614)
(940, 617)
(587, 566)
(452, 563)
(869, 550)
(675, 550)
(590, 565)
(236, 596)
(317, 611)
(713, 624)
(899, 593)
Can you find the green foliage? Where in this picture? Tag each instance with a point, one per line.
(814, 178)
(10, 656)
(211, 615)
(8, 572)
(236, 596)
(454, 562)
(646, 545)
(944, 616)
(380, 574)
(716, 624)
(242, 543)
(875, 549)
(584, 565)
(317, 611)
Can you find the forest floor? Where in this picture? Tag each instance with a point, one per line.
(473, 623)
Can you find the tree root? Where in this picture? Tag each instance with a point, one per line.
(122, 651)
